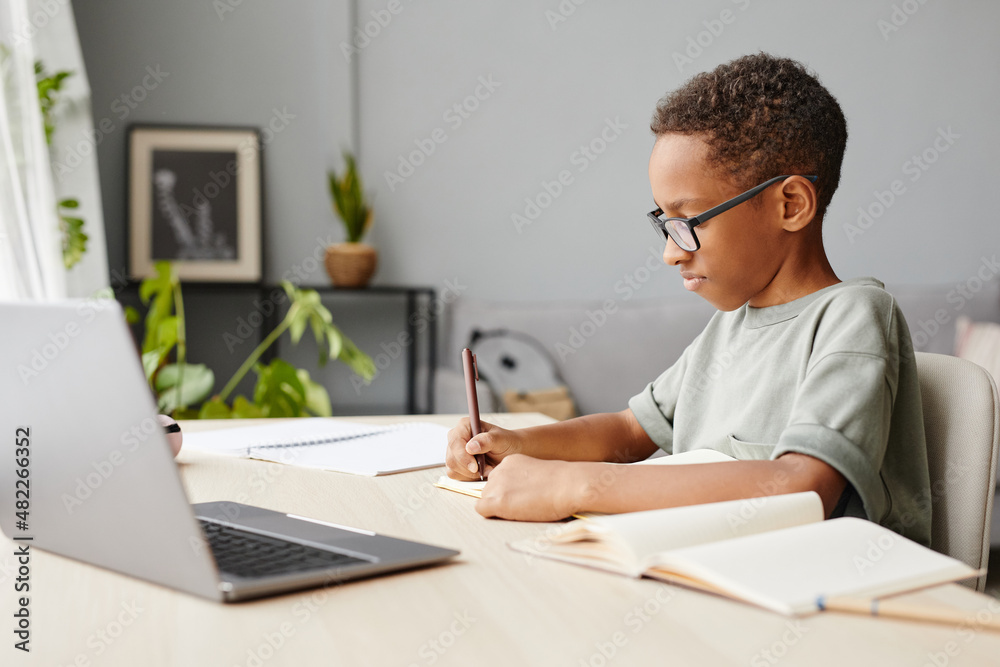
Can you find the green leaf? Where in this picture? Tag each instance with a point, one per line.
(214, 409)
(74, 240)
(349, 200)
(150, 362)
(278, 391)
(336, 341)
(163, 281)
(160, 289)
(132, 315)
(198, 381)
(48, 87)
(69, 203)
(317, 399)
(166, 333)
(185, 413)
(298, 325)
(358, 361)
(244, 409)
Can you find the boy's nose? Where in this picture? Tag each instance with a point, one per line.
(674, 254)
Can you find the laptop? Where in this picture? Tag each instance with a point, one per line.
(88, 473)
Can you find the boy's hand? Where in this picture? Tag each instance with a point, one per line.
(524, 488)
(495, 442)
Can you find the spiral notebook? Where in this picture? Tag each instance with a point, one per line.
(327, 444)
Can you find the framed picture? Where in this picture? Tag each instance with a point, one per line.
(194, 198)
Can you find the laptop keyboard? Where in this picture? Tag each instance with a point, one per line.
(250, 555)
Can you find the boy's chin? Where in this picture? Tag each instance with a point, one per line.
(725, 303)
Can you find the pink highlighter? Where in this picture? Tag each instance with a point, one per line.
(471, 375)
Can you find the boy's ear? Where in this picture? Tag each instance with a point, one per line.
(797, 198)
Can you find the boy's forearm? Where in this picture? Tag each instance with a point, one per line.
(614, 489)
(613, 436)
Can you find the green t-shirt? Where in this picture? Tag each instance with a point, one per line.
(831, 374)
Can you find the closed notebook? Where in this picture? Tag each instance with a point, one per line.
(776, 552)
(327, 444)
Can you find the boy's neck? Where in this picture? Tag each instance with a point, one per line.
(803, 272)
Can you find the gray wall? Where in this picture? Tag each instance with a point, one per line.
(614, 60)
(557, 85)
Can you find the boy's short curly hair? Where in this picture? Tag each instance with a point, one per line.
(762, 116)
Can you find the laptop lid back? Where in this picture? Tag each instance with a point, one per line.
(101, 485)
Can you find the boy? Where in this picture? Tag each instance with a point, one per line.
(819, 390)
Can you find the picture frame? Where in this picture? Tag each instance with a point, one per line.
(194, 198)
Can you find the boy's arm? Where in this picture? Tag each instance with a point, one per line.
(614, 436)
(530, 489)
(650, 487)
(610, 436)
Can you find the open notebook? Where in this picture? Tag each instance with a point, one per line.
(776, 552)
(361, 449)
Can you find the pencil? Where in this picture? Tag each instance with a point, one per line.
(907, 611)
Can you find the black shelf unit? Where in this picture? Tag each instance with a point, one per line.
(414, 297)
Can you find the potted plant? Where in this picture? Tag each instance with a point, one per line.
(350, 264)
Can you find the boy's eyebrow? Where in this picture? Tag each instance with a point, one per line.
(678, 204)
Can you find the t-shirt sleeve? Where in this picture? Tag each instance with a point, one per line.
(843, 408)
(654, 406)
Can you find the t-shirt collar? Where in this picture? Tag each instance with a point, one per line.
(755, 318)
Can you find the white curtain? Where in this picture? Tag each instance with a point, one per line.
(31, 265)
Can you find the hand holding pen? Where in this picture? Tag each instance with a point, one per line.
(471, 375)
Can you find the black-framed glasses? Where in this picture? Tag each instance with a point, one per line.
(681, 230)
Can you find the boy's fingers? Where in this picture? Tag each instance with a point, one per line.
(464, 471)
(459, 461)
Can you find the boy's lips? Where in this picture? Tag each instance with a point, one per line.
(692, 281)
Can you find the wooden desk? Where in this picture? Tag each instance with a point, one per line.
(492, 606)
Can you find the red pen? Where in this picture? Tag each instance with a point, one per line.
(471, 375)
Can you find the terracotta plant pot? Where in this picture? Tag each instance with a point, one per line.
(350, 264)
